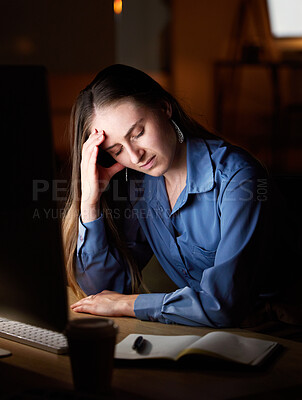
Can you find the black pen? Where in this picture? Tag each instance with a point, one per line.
(138, 343)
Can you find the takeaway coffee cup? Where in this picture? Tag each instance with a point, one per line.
(91, 344)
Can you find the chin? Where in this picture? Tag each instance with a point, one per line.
(157, 172)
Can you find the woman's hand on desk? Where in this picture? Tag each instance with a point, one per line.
(107, 303)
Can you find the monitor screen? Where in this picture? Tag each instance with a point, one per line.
(32, 276)
(285, 18)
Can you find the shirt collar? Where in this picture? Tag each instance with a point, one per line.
(200, 175)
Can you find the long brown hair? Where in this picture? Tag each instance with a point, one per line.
(115, 83)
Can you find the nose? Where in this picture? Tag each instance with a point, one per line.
(135, 154)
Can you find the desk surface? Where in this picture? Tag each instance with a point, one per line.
(29, 367)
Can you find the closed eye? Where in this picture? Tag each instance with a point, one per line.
(118, 152)
(133, 138)
(140, 134)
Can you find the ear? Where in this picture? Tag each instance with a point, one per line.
(167, 109)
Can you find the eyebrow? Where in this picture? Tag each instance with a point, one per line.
(130, 130)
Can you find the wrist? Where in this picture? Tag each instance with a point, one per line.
(90, 212)
(127, 305)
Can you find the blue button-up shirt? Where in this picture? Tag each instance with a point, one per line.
(210, 244)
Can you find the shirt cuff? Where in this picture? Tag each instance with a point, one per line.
(92, 235)
(148, 307)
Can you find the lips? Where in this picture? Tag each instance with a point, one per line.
(149, 163)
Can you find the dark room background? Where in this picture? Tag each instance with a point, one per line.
(217, 57)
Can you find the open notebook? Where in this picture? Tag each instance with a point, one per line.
(217, 344)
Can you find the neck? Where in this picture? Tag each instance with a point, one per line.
(176, 175)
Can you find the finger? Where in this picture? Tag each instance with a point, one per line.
(89, 164)
(95, 134)
(87, 299)
(89, 146)
(93, 138)
(83, 308)
(93, 156)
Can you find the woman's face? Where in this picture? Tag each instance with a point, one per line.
(138, 137)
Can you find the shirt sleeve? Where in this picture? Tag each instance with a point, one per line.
(230, 286)
(99, 265)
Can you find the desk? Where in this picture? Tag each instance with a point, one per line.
(30, 368)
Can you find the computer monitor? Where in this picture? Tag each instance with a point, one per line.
(285, 18)
(32, 276)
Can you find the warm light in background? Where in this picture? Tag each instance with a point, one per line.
(118, 6)
(285, 18)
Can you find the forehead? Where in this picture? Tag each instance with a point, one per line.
(117, 117)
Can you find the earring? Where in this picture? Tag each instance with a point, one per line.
(126, 174)
(179, 133)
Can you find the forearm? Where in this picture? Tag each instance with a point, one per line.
(98, 267)
(186, 307)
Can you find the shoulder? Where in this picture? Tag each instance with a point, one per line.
(213, 162)
(228, 159)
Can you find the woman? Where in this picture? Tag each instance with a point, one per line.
(176, 191)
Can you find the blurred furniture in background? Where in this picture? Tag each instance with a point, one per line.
(266, 88)
(258, 93)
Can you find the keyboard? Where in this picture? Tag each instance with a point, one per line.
(35, 336)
